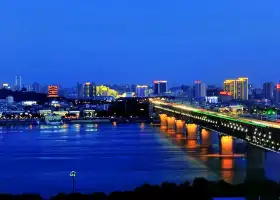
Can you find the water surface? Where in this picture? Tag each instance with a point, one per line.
(38, 159)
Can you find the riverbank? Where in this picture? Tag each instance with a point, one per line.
(15, 122)
(200, 189)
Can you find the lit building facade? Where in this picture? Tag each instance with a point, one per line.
(102, 90)
(141, 90)
(230, 87)
(52, 91)
(5, 86)
(160, 87)
(85, 90)
(237, 88)
(242, 88)
(89, 90)
(199, 89)
(268, 90)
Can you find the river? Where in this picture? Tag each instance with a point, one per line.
(108, 157)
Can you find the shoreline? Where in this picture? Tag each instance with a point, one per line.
(78, 121)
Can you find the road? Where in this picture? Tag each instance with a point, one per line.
(217, 114)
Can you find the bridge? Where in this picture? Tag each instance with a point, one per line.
(260, 134)
(263, 134)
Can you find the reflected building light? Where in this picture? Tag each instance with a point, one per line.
(142, 126)
(65, 126)
(115, 124)
(91, 130)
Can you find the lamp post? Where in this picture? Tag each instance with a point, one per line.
(73, 175)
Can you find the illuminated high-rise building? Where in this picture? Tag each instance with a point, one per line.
(160, 87)
(89, 90)
(141, 90)
(18, 85)
(237, 88)
(268, 90)
(199, 89)
(230, 87)
(242, 89)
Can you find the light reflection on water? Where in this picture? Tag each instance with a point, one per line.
(114, 157)
(200, 144)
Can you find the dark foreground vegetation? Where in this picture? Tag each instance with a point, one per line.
(201, 189)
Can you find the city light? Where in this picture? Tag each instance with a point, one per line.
(226, 93)
(52, 91)
(250, 121)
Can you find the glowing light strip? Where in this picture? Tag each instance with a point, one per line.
(237, 119)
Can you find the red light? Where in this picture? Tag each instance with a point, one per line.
(278, 86)
(225, 93)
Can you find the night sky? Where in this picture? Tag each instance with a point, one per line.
(137, 41)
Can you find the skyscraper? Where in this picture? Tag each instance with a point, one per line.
(199, 89)
(141, 91)
(89, 90)
(242, 88)
(18, 85)
(160, 87)
(237, 88)
(230, 87)
(268, 90)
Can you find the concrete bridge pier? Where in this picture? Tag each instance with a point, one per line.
(226, 145)
(163, 120)
(205, 137)
(171, 123)
(255, 164)
(191, 130)
(180, 126)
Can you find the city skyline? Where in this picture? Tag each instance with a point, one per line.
(144, 41)
(13, 83)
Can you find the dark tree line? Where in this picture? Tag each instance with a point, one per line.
(200, 189)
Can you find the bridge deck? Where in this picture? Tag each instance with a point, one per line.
(250, 121)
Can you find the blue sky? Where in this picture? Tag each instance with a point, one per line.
(125, 41)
